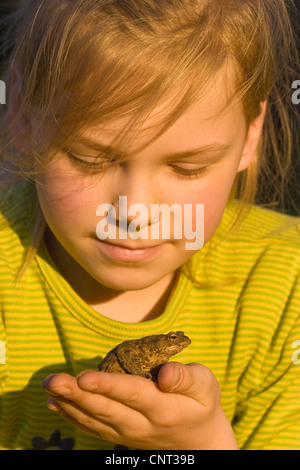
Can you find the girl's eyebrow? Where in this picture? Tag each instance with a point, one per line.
(213, 150)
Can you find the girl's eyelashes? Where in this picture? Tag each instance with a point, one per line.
(96, 165)
(194, 173)
(105, 164)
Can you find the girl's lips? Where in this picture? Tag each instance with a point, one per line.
(125, 254)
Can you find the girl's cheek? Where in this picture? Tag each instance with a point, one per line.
(63, 191)
(214, 200)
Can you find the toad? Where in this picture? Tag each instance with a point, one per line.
(144, 356)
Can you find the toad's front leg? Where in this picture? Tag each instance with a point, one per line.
(132, 364)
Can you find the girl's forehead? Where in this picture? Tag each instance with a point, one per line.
(216, 107)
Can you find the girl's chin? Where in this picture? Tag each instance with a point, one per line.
(129, 283)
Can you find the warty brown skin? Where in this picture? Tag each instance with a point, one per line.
(143, 356)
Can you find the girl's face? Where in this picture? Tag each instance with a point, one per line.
(70, 193)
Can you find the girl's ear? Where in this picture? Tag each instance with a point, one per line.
(254, 134)
(20, 129)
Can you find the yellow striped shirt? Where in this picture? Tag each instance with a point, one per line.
(246, 331)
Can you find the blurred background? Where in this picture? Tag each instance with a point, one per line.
(6, 7)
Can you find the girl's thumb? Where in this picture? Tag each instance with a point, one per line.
(193, 380)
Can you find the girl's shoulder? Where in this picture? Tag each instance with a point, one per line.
(17, 213)
(17, 201)
(265, 244)
(263, 226)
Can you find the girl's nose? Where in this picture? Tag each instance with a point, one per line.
(136, 197)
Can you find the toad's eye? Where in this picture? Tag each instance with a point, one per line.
(173, 337)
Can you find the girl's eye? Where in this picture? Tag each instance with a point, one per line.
(97, 164)
(195, 172)
(102, 164)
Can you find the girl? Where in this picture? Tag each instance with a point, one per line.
(168, 102)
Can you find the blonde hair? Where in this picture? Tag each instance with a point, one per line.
(87, 62)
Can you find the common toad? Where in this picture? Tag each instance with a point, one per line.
(144, 356)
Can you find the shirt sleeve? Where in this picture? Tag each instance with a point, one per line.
(3, 334)
(268, 417)
(3, 354)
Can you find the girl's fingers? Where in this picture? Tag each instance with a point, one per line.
(82, 420)
(66, 392)
(125, 427)
(133, 391)
(55, 406)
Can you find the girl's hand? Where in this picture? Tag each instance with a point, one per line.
(182, 411)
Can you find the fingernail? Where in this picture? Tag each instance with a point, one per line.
(59, 391)
(177, 374)
(63, 390)
(52, 405)
(46, 381)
